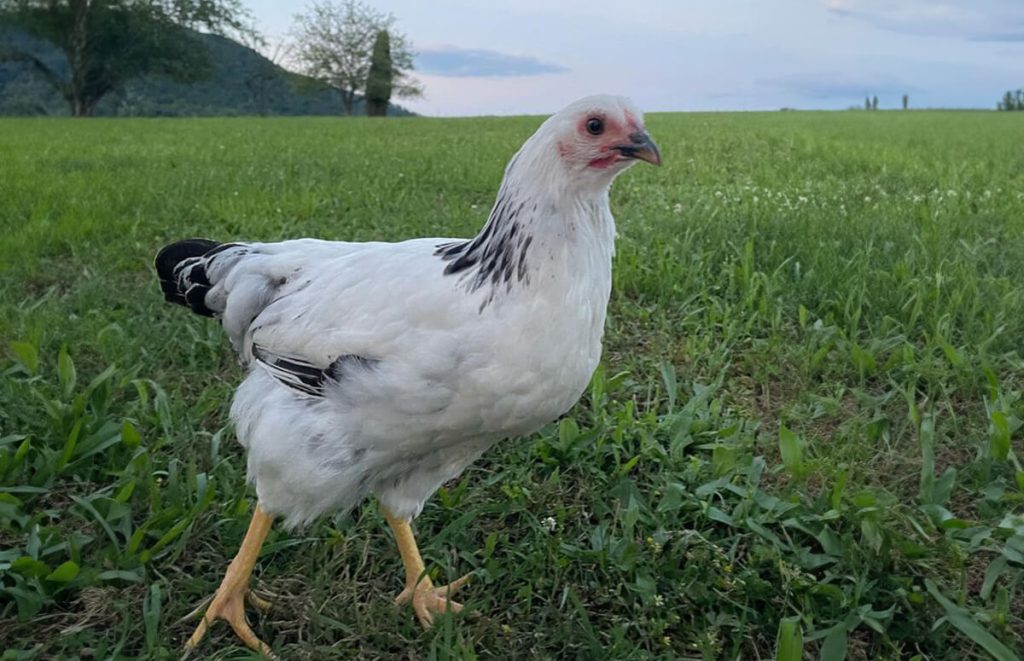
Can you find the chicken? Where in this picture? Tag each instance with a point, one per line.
(388, 368)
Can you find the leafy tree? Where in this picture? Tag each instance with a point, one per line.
(334, 43)
(378, 81)
(106, 43)
(874, 103)
(906, 101)
(867, 103)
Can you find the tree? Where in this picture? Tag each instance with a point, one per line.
(378, 81)
(107, 43)
(1012, 102)
(334, 43)
(867, 103)
(906, 101)
(874, 103)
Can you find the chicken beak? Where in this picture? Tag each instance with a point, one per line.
(641, 147)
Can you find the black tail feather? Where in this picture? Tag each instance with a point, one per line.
(186, 288)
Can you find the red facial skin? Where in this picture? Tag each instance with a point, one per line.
(615, 133)
(604, 161)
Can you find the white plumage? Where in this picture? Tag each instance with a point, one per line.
(387, 368)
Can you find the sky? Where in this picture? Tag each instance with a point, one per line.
(490, 57)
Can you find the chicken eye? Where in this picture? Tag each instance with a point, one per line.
(595, 126)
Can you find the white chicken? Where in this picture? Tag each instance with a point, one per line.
(387, 368)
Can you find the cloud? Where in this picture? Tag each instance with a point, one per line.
(973, 20)
(451, 61)
(1015, 35)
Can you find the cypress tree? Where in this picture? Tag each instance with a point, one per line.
(378, 80)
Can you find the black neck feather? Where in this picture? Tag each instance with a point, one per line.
(498, 255)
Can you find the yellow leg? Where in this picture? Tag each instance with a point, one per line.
(419, 589)
(229, 601)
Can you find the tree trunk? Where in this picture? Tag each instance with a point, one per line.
(82, 106)
(348, 98)
(79, 108)
(75, 52)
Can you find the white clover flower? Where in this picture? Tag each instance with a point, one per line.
(550, 523)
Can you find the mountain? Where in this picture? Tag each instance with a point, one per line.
(243, 83)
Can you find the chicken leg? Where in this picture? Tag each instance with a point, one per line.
(229, 601)
(419, 589)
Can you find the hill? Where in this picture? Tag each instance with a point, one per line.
(243, 83)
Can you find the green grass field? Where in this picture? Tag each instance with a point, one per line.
(806, 430)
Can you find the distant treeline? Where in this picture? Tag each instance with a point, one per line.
(1012, 100)
(871, 103)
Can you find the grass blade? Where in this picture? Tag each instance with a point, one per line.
(789, 644)
(926, 438)
(792, 451)
(834, 647)
(968, 626)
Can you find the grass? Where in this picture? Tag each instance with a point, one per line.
(804, 440)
